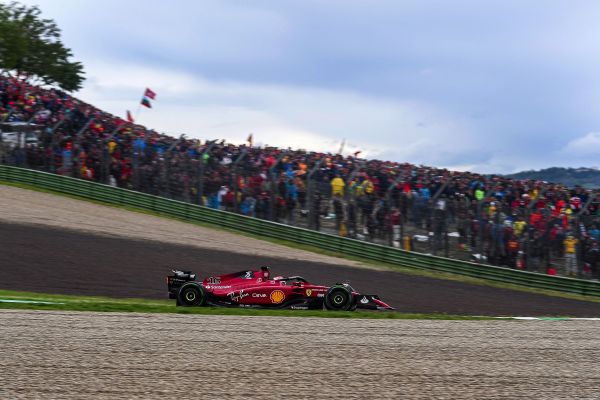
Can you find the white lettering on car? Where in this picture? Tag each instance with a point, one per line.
(237, 297)
(247, 275)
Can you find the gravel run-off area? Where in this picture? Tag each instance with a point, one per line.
(70, 355)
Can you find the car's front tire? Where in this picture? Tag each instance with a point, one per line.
(339, 298)
(190, 295)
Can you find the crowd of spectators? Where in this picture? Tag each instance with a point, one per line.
(524, 224)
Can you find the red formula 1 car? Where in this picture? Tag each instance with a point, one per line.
(257, 289)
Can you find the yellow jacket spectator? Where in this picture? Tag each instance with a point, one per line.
(534, 194)
(358, 189)
(570, 244)
(570, 257)
(337, 186)
(368, 186)
(518, 226)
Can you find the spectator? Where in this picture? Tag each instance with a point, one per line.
(80, 140)
(570, 244)
(593, 259)
(512, 251)
(536, 252)
(337, 186)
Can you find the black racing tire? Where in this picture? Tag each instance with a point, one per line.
(339, 298)
(191, 295)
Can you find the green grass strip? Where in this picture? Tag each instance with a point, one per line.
(106, 304)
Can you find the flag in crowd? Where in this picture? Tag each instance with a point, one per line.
(129, 116)
(250, 139)
(342, 145)
(148, 95)
(146, 102)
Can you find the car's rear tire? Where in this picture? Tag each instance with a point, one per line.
(339, 298)
(190, 295)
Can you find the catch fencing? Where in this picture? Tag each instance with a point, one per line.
(337, 244)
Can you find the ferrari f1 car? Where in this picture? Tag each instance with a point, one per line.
(257, 289)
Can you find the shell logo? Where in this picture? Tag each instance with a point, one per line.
(277, 296)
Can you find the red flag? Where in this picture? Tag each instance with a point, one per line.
(150, 94)
(250, 140)
(356, 153)
(129, 117)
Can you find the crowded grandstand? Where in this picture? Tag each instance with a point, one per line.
(525, 224)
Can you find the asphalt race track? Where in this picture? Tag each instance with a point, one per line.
(70, 355)
(44, 259)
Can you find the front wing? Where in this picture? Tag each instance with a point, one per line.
(371, 302)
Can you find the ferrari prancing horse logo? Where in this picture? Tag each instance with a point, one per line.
(277, 296)
(308, 292)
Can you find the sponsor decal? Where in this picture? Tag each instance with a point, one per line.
(277, 296)
(237, 297)
(320, 294)
(248, 275)
(319, 290)
(308, 292)
(299, 308)
(214, 280)
(364, 300)
(218, 287)
(259, 295)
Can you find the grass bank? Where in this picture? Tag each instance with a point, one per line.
(37, 301)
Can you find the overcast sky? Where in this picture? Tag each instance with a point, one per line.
(482, 85)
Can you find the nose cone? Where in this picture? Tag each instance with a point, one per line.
(382, 306)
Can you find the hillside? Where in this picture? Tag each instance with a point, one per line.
(586, 177)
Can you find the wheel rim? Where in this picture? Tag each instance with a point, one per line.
(190, 295)
(338, 299)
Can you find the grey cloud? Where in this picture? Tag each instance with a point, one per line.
(521, 73)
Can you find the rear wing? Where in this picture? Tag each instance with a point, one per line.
(178, 278)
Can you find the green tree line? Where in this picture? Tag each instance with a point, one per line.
(31, 49)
